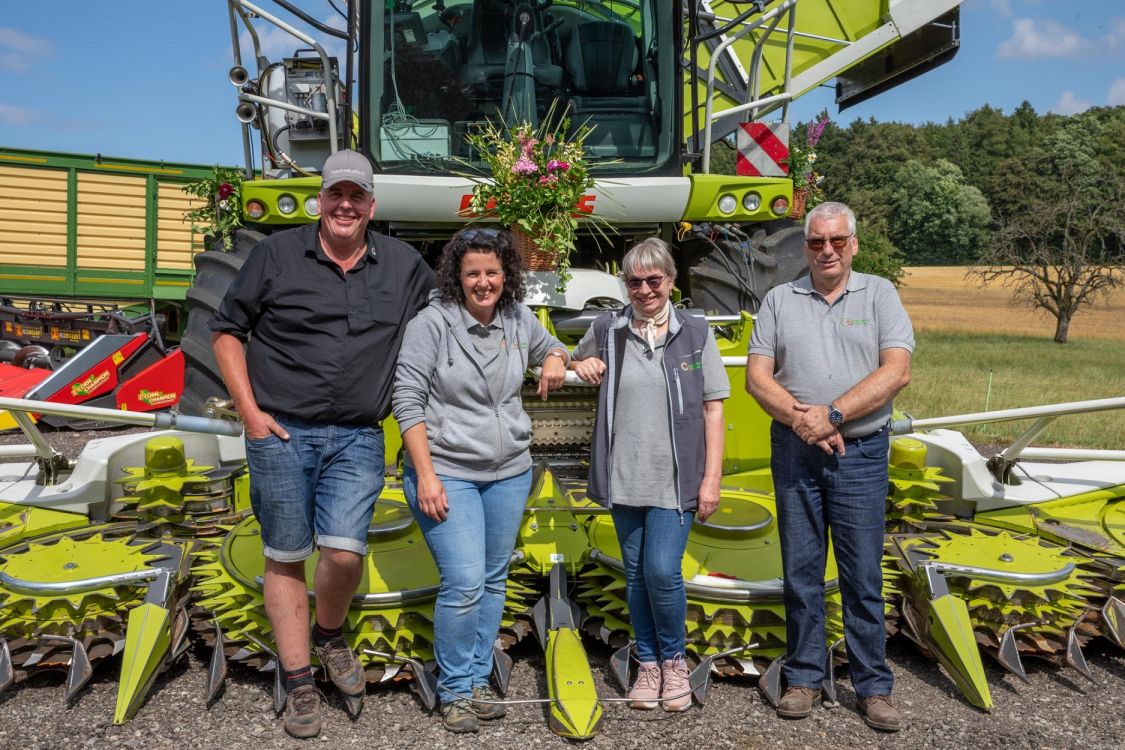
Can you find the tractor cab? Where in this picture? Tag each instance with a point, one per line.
(437, 70)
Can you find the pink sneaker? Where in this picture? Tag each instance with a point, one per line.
(677, 690)
(646, 690)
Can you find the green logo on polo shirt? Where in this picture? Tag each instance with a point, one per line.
(855, 321)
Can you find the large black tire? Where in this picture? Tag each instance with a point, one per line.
(723, 280)
(214, 272)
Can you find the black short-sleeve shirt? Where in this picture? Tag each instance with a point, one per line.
(322, 343)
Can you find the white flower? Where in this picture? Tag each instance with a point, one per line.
(223, 205)
(812, 158)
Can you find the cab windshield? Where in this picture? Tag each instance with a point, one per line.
(437, 69)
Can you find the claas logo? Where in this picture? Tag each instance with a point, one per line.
(584, 206)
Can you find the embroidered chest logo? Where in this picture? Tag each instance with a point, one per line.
(855, 322)
(689, 366)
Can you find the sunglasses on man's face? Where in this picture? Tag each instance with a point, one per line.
(470, 235)
(652, 281)
(818, 243)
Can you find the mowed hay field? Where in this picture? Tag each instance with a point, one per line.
(941, 298)
(967, 334)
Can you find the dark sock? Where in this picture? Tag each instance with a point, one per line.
(323, 635)
(295, 678)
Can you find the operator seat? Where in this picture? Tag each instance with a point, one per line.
(491, 24)
(600, 58)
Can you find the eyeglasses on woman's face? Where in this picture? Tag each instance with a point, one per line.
(653, 282)
(838, 243)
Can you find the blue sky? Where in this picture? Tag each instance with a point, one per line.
(148, 79)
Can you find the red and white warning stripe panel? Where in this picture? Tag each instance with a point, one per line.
(763, 148)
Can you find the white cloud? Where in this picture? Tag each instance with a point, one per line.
(13, 115)
(1116, 95)
(18, 50)
(1069, 104)
(1115, 39)
(1003, 7)
(1039, 39)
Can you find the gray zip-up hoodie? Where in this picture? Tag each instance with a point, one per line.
(439, 380)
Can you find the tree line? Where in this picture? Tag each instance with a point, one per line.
(1037, 201)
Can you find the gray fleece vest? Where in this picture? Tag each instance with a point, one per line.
(683, 375)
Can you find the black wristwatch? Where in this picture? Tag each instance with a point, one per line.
(835, 416)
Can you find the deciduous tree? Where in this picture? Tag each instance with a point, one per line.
(1062, 246)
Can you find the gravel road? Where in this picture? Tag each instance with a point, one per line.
(1059, 709)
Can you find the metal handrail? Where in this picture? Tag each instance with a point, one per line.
(709, 106)
(719, 589)
(80, 585)
(160, 420)
(1002, 576)
(1001, 464)
(909, 424)
(329, 88)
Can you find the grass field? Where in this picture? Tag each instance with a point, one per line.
(965, 334)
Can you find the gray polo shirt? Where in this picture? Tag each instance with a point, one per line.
(821, 351)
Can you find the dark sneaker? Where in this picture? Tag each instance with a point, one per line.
(880, 713)
(798, 702)
(458, 716)
(487, 710)
(342, 666)
(302, 712)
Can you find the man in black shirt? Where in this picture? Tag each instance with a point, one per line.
(321, 310)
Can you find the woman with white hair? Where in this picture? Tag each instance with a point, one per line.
(656, 456)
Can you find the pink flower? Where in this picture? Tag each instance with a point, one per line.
(524, 166)
(548, 179)
(556, 165)
(815, 131)
(549, 139)
(225, 190)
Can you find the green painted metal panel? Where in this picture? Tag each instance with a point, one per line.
(143, 282)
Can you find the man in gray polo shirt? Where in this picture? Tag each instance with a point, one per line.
(827, 355)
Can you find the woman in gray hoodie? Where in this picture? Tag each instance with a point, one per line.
(468, 467)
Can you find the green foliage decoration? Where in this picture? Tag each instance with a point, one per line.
(877, 255)
(220, 212)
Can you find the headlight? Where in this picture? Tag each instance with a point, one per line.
(727, 204)
(751, 201)
(311, 208)
(255, 209)
(780, 205)
(286, 204)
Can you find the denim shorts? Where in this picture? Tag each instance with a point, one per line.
(318, 487)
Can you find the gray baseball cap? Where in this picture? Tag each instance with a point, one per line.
(347, 166)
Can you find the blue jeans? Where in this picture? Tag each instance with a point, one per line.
(815, 492)
(652, 542)
(321, 484)
(472, 548)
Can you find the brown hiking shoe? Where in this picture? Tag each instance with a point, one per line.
(880, 713)
(458, 716)
(491, 708)
(342, 666)
(302, 712)
(798, 702)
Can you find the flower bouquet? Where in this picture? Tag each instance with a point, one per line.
(538, 179)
